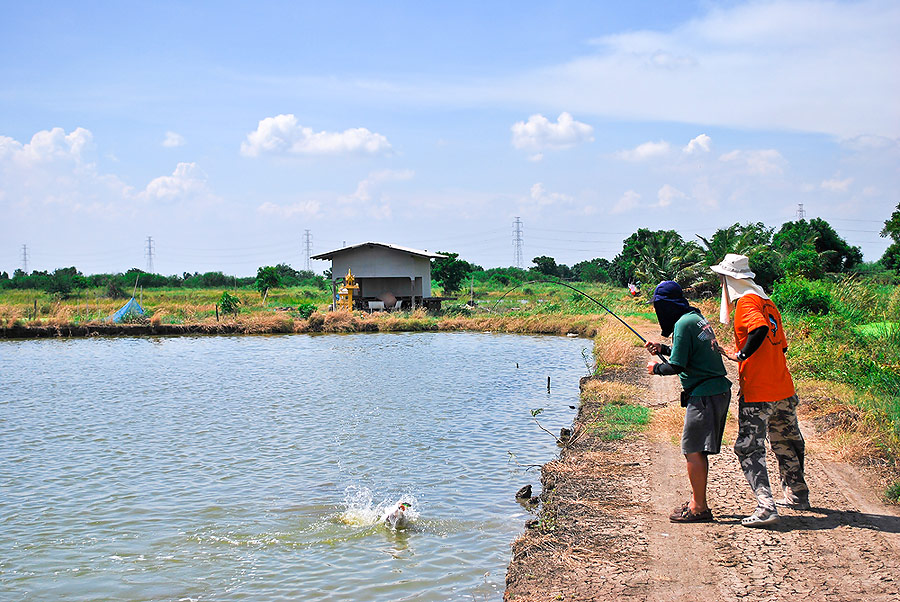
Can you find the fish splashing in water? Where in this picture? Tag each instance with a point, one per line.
(360, 510)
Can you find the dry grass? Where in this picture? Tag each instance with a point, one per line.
(849, 433)
(603, 392)
(614, 345)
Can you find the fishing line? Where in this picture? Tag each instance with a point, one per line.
(611, 312)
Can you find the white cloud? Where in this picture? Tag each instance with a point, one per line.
(645, 151)
(541, 197)
(835, 185)
(53, 176)
(539, 133)
(187, 181)
(373, 183)
(54, 169)
(173, 140)
(629, 201)
(747, 65)
(698, 144)
(305, 209)
(283, 135)
(667, 194)
(47, 146)
(756, 162)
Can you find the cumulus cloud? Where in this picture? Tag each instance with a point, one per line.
(540, 134)
(667, 194)
(55, 168)
(283, 135)
(173, 140)
(55, 172)
(699, 144)
(645, 151)
(835, 185)
(47, 146)
(542, 197)
(756, 162)
(187, 181)
(629, 201)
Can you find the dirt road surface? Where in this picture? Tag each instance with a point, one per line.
(604, 532)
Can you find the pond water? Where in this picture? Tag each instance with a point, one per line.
(256, 468)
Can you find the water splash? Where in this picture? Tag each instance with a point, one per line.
(360, 509)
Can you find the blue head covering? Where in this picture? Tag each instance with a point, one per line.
(669, 302)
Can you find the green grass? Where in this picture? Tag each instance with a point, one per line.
(614, 421)
(893, 493)
(856, 343)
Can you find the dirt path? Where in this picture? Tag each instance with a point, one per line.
(605, 533)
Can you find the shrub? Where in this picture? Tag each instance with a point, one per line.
(804, 262)
(113, 290)
(457, 310)
(306, 310)
(893, 493)
(229, 303)
(802, 296)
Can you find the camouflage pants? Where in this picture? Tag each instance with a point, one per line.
(778, 420)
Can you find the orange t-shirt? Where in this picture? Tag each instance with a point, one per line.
(764, 375)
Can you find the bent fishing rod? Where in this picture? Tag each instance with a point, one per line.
(581, 292)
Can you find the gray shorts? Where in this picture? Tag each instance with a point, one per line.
(704, 423)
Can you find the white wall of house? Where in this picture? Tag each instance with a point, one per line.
(384, 270)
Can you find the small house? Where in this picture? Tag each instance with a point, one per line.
(388, 276)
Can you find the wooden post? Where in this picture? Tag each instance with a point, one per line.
(217, 312)
(548, 384)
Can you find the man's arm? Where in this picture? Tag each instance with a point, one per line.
(667, 369)
(754, 339)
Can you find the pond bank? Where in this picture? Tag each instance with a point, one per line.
(603, 532)
(333, 322)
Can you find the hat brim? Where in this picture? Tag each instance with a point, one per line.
(726, 272)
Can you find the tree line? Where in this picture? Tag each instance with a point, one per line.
(65, 281)
(803, 248)
(808, 249)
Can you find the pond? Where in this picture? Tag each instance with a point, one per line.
(256, 467)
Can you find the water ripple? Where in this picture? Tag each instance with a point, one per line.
(218, 468)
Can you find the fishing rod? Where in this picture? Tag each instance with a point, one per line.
(581, 292)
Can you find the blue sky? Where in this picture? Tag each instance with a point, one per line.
(224, 131)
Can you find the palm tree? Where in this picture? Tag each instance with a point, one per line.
(666, 256)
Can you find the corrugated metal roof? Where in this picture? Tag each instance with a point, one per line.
(419, 252)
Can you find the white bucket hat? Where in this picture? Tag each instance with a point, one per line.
(737, 281)
(736, 266)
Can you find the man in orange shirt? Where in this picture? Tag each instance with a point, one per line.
(767, 399)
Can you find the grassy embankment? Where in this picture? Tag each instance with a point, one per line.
(844, 343)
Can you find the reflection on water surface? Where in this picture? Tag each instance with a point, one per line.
(226, 468)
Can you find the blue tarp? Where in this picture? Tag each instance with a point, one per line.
(132, 307)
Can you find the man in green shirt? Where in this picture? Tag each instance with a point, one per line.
(695, 358)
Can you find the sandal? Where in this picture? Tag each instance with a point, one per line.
(684, 515)
(761, 517)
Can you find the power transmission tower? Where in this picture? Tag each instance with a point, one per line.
(25, 258)
(307, 245)
(517, 241)
(801, 213)
(149, 254)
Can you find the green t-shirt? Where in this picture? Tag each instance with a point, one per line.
(693, 349)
